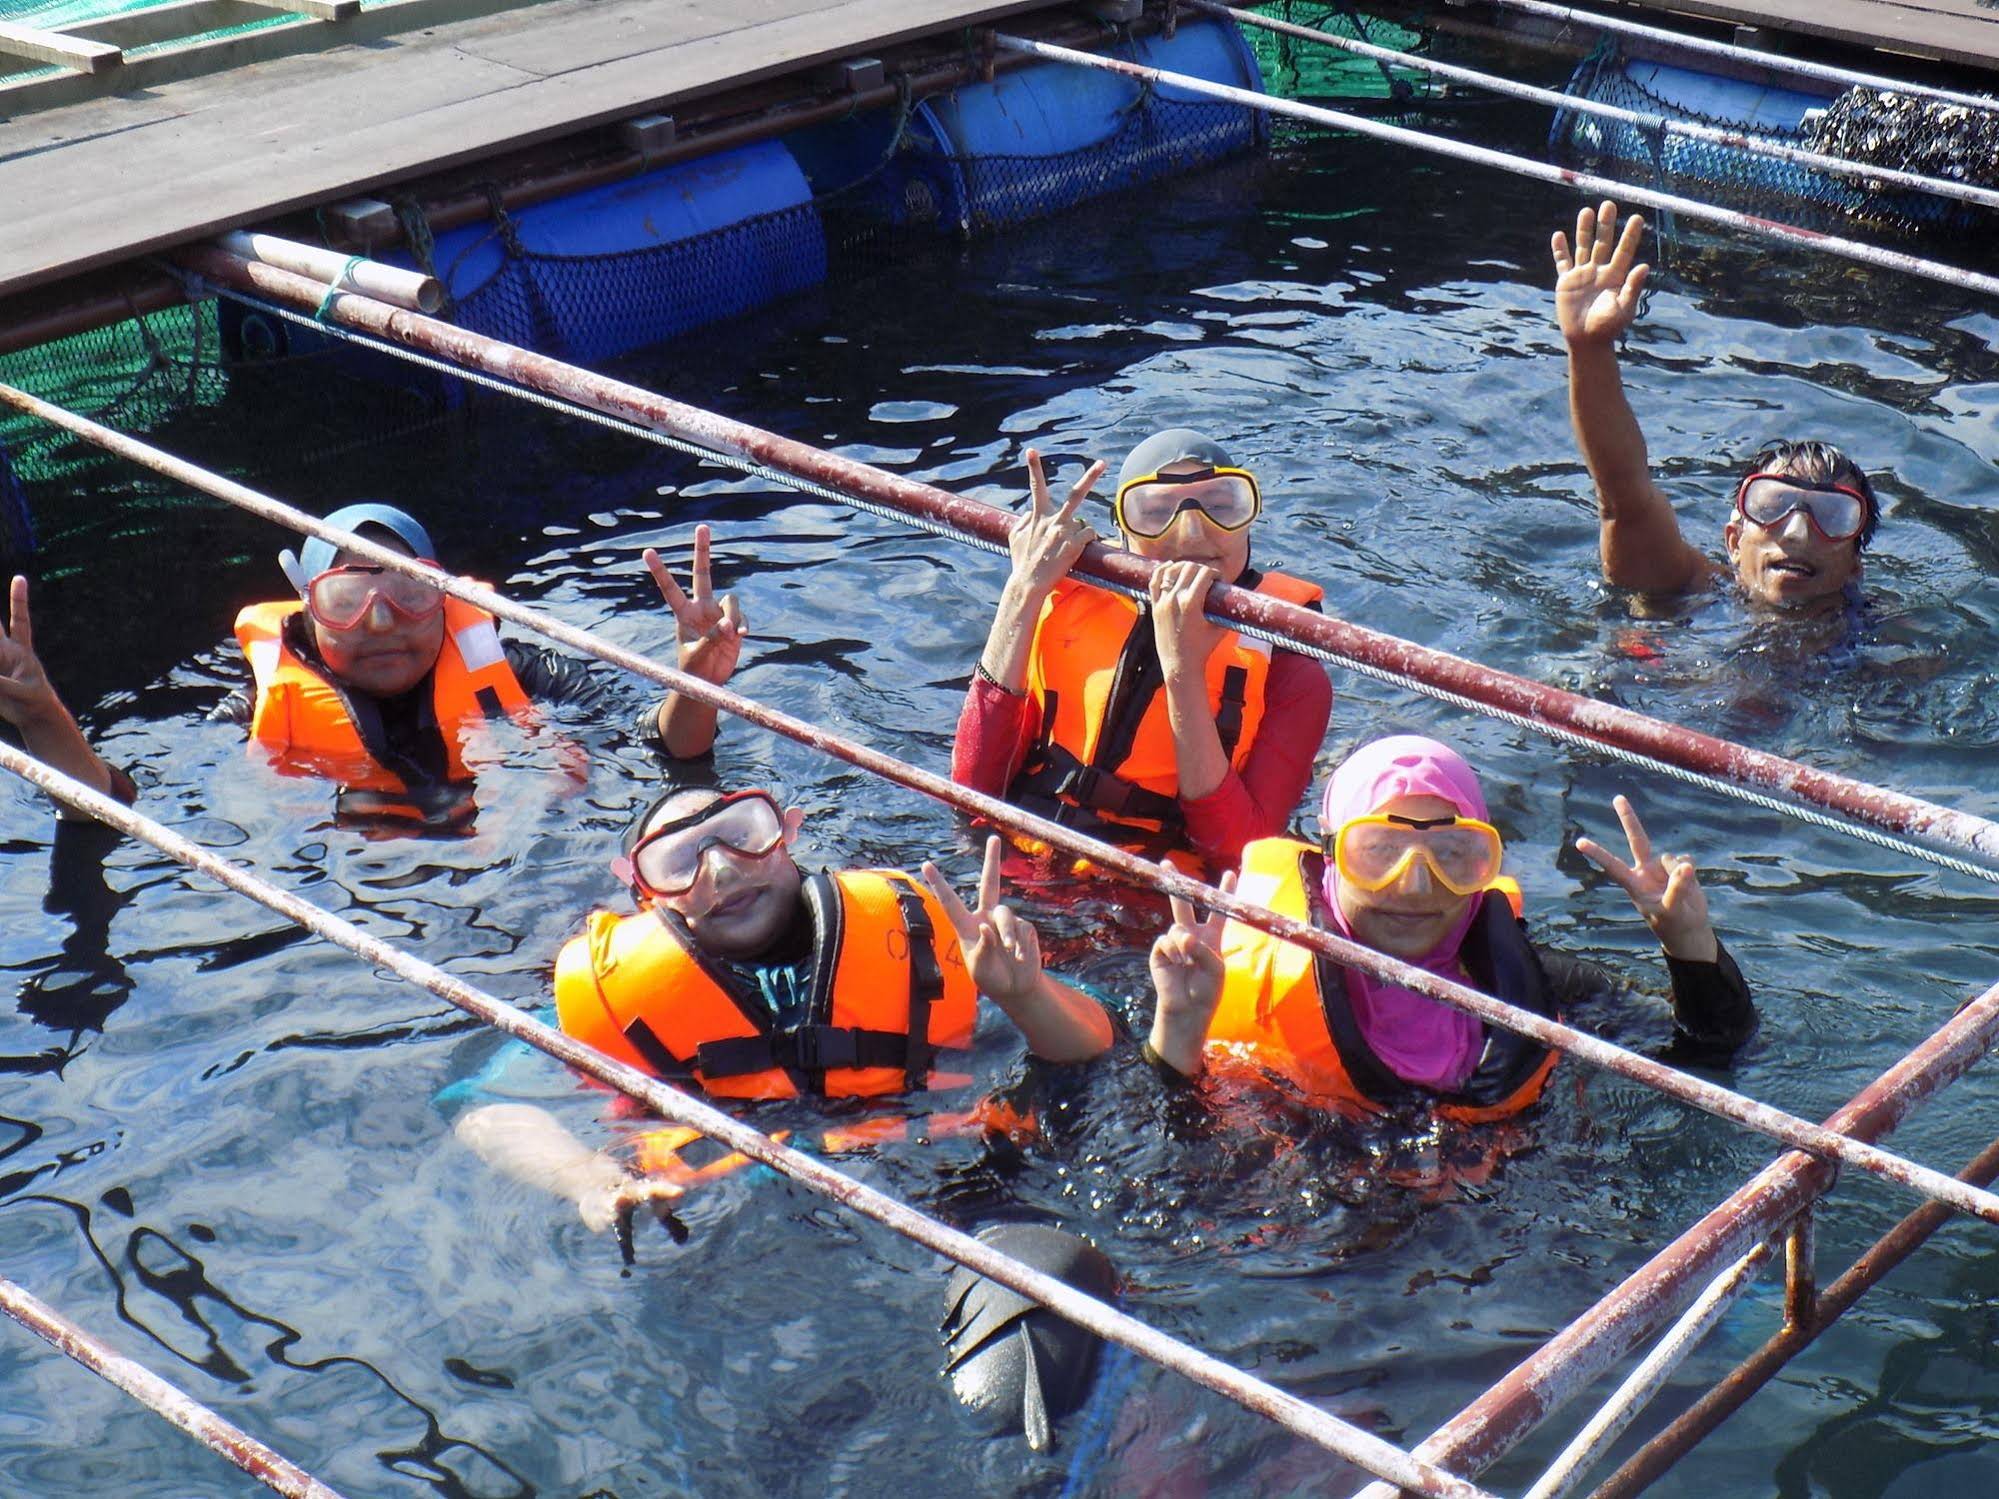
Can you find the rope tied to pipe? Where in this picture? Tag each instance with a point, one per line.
(338, 286)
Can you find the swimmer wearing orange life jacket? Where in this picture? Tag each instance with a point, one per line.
(1143, 722)
(739, 973)
(372, 678)
(1803, 512)
(1411, 867)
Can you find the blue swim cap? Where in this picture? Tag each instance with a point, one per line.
(316, 556)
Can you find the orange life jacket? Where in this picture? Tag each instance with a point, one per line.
(889, 991)
(1286, 1009)
(1105, 760)
(314, 726)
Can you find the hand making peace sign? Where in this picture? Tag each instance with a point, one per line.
(1661, 886)
(1187, 974)
(1002, 951)
(1046, 541)
(710, 630)
(26, 695)
(1596, 291)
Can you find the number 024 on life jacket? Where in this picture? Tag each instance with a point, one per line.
(312, 725)
(1287, 1009)
(1104, 758)
(890, 997)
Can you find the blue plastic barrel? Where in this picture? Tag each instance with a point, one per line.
(602, 272)
(611, 269)
(1731, 104)
(1042, 139)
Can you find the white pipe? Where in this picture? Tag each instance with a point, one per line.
(1362, 1448)
(1645, 1381)
(1769, 61)
(355, 273)
(1589, 182)
(1756, 145)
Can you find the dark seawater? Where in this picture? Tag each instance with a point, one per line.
(219, 1142)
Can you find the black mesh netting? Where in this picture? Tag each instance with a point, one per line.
(592, 307)
(1157, 137)
(1750, 180)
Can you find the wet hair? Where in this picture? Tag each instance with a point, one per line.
(1821, 463)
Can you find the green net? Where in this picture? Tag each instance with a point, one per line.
(1294, 69)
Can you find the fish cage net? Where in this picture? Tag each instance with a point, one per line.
(1294, 69)
(1804, 194)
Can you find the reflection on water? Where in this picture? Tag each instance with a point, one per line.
(220, 1147)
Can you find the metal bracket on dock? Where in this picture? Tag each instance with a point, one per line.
(855, 75)
(364, 221)
(647, 135)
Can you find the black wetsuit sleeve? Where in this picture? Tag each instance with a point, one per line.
(1714, 1014)
(549, 677)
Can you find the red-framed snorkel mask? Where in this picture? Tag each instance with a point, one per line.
(341, 597)
(1837, 512)
(665, 861)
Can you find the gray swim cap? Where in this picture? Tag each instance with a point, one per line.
(1175, 445)
(316, 556)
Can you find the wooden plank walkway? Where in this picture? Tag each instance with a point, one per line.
(1961, 32)
(103, 181)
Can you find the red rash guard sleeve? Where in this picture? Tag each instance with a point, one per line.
(1258, 801)
(995, 729)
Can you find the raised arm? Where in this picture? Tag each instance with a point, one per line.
(710, 634)
(1003, 954)
(28, 701)
(1596, 299)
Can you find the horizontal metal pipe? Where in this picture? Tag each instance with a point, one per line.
(385, 283)
(1586, 1048)
(1755, 145)
(1650, 1463)
(1549, 708)
(1769, 61)
(229, 1442)
(1521, 166)
(1570, 1361)
(1359, 1447)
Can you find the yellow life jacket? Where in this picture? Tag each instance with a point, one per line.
(1105, 760)
(889, 992)
(1286, 1008)
(312, 725)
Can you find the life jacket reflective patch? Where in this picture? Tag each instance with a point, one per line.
(1104, 759)
(1285, 1008)
(890, 995)
(312, 725)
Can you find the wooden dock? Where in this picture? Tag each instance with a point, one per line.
(112, 176)
(137, 133)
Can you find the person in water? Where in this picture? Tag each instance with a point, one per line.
(34, 714)
(1410, 866)
(1144, 723)
(1804, 511)
(371, 677)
